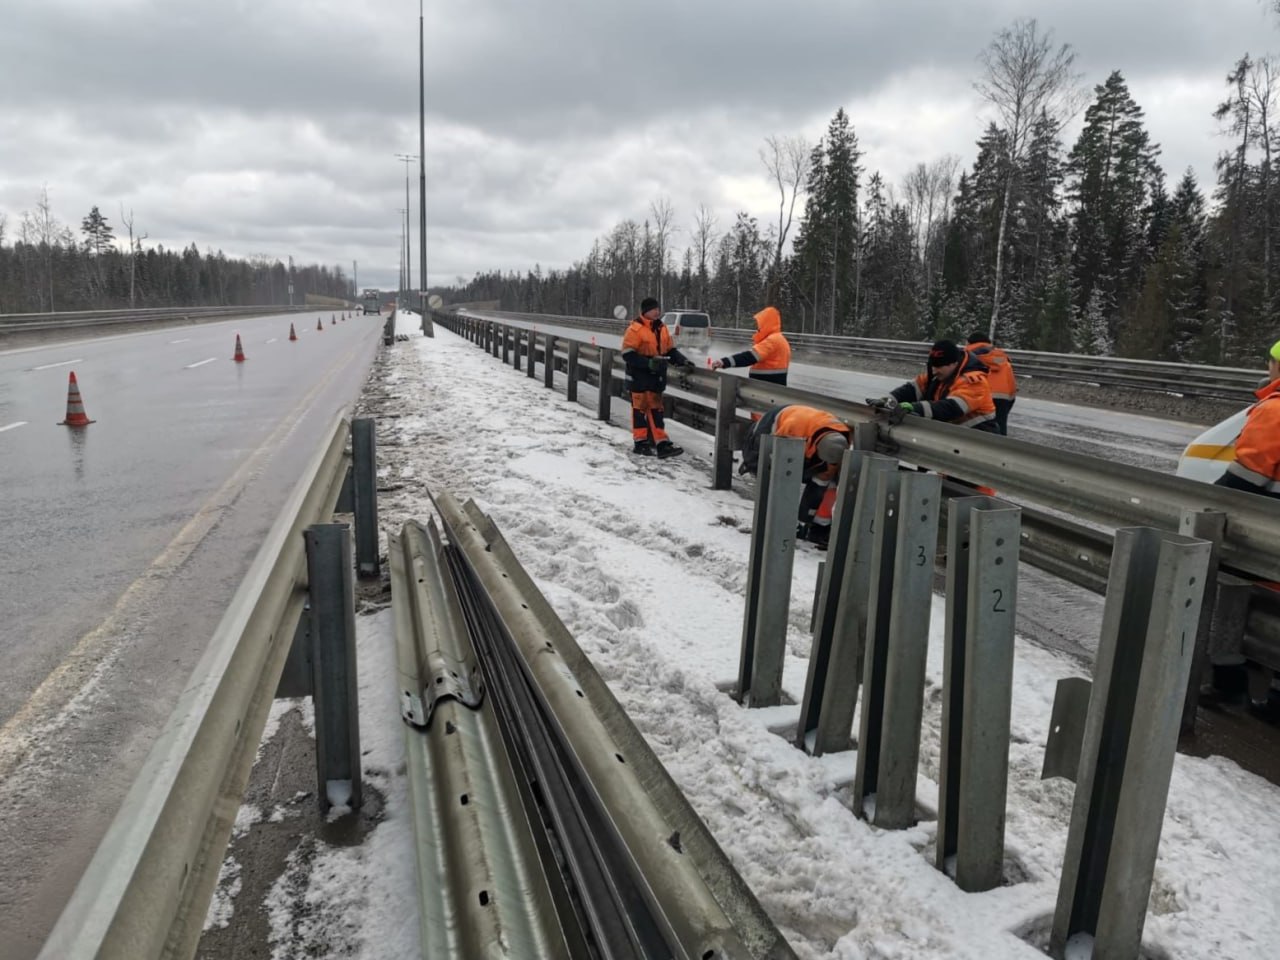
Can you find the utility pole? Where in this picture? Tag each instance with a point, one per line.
(407, 158)
(404, 232)
(355, 279)
(422, 175)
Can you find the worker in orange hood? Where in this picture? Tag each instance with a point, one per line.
(1257, 465)
(770, 355)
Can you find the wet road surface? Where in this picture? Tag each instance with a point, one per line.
(124, 540)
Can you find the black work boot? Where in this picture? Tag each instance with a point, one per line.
(644, 448)
(668, 449)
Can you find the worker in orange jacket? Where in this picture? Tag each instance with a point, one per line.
(770, 355)
(647, 349)
(953, 389)
(826, 438)
(1257, 464)
(1000, 377)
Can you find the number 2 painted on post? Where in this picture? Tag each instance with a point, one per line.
(995, 607)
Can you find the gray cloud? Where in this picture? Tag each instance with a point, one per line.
(271, 126)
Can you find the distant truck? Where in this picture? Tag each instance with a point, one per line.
(371, 301)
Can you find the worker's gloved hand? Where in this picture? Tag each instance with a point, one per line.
(657, 363)
(686, 363)
(882, 404)
(908, 408)
(717, 364)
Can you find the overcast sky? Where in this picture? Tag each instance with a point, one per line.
(270, 126)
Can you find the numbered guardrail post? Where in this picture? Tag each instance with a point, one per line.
(1210, 525)
(605, 395)
(506, 345)
(532, 358)
(364, 475)
(726, 410)
(517, 336)
(333, 657)
(835, 665)
(1140, 674)
(548, 361)
(773, 540)
(977, 689)
(897, 643)
(571, 373)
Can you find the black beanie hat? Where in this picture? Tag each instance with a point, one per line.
(978, 336)
(647, 304)
(944, 352)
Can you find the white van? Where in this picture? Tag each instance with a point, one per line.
(690, 329)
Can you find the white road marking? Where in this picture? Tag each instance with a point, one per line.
(60, 363)
(273, 340)
(192, 366)
(20, 423)
(183, 340)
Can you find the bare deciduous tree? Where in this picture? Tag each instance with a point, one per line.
(704, 238)
(1024, 77)
(928, 189)
(787, 160)
(133, 251)
(663, 228)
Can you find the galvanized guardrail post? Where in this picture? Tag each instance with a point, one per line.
(364, 473)
(532, 358)
(571, 373)
(548, 361)
(506, 345)
(333, 658)
(897, 644)
(517, 336)
(1144, 658)
(835, 665)
(773, 540)
(1210, 525)
(726, 417)
(977, 689)
(605, 395)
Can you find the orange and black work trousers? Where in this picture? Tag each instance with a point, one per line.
(646, 417)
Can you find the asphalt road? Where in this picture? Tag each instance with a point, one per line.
(122, 543)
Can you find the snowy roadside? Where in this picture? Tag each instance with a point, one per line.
(646, 567)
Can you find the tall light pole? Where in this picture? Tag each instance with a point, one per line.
(404, 236)
(407, 158)
(427, 328)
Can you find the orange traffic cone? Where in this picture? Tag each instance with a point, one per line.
(239, 357)
(293, 335)
(75, 406)
(333, 322)
(319, 324)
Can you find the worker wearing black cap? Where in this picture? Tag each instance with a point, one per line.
(953, 389)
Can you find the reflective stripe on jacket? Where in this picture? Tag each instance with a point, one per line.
(1004, 385)
(641, 342)
(963, 399)
(770, 355)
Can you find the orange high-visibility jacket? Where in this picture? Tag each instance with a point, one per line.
(1258, 446)
(809, 424)
(770, 355)
(1004, 385)
(963, 399)
(642, 341)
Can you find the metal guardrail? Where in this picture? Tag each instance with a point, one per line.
(147, 889)
(1086, 487)
(1187, 379)
(694, 903)
(21, 322)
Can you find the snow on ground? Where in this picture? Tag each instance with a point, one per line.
(646, 566)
